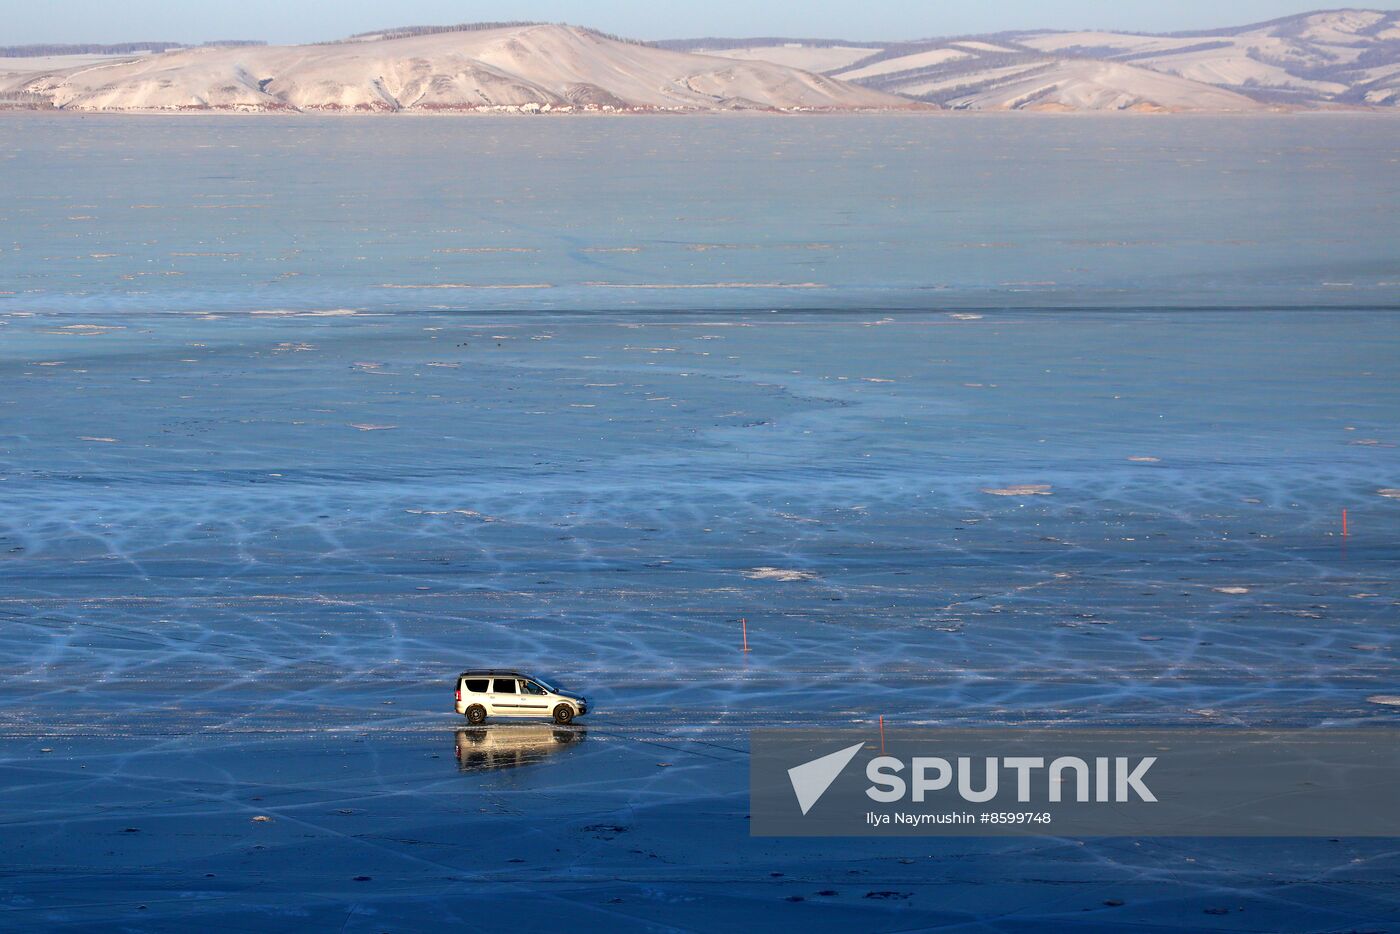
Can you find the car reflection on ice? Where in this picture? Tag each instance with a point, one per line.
(504, 747)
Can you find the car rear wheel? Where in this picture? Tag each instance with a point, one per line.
(476, 714)
(563, 714)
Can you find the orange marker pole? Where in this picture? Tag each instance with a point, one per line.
(745, 623)
(882, 734)
(1344, 523)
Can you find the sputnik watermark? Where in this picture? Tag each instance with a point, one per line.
(1113, 779)
(1078, 783)
(1125, 775)
(810, 780)
(912, 819)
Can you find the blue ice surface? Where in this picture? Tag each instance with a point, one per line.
(257, 508)
(654, 213)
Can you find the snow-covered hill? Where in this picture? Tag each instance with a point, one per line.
(1332, 59)
(516, 68)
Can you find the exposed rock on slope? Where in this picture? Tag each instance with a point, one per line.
(523, 68)
(1084, 85)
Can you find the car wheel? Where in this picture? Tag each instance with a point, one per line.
(563, 714)
(476, 714)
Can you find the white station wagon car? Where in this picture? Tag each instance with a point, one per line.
(491, 692)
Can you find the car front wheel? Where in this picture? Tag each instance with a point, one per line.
(563, 714)
(476, 714)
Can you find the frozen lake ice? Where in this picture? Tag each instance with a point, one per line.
(256, 515)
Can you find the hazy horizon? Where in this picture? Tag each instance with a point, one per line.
(91, 21)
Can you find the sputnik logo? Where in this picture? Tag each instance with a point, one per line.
(810, 780)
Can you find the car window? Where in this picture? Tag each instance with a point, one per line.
(531, 687)
(477, 685)
(505, 686)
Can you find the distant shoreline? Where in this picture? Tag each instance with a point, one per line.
(920, 112)
(1326, 61)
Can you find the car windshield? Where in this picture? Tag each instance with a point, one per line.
(548, 686)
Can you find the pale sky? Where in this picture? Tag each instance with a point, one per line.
(280, 21)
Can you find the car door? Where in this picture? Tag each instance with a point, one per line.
(505, 698)
(534, 700)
